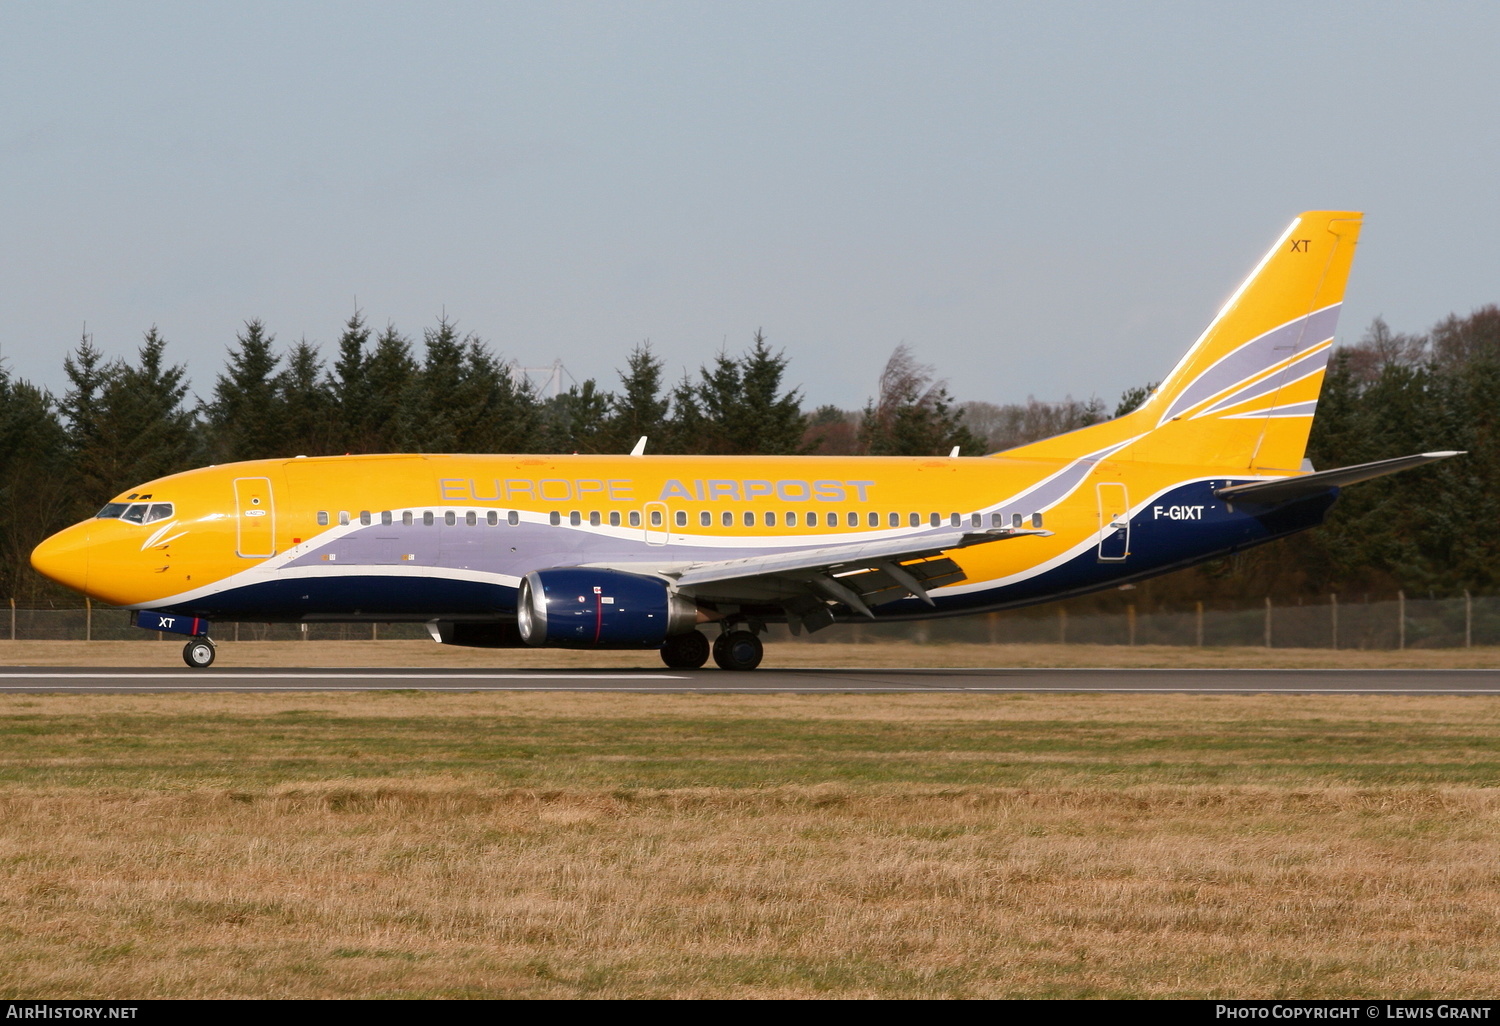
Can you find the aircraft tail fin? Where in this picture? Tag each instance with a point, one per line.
(1244, 396)
(1242, 399)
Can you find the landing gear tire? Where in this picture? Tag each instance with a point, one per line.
(685, 651)
(738, 650)
(199, 653)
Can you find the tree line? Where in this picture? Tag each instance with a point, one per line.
(120, 422)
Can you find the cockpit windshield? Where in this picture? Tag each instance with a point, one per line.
(135, 512)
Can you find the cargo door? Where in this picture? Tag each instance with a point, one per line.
(1114, 522)
(388, 549)
(256, 518)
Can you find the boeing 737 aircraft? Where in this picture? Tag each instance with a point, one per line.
(642, 551)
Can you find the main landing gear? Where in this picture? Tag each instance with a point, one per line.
(199, 653)
(736, 649)
(685, 651)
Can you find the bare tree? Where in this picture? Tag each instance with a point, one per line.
(914, 414)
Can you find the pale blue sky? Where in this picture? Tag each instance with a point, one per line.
(1040, 198)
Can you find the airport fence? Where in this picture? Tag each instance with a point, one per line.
(1329, 622)
(105, 623)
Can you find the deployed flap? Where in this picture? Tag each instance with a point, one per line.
(857, 575)
(857, 555)
(887, 581)
(1286, 488)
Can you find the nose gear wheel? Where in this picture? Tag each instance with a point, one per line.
(199, 653)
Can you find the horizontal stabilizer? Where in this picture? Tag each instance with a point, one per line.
(1284, 489)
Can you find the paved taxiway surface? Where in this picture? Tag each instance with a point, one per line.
(769, 680)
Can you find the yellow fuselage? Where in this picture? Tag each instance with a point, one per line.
(377, 527)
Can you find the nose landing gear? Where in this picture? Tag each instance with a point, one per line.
(199, 653)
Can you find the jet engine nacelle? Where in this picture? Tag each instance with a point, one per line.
(579, 607)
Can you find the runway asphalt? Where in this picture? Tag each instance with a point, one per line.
(999, 680)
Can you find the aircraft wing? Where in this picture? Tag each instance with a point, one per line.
(859, 574)
(1283, 489)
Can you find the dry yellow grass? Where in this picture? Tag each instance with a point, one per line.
(553, 845)
(393, 891)
(786, 654)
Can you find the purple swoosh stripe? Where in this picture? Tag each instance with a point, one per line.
(1049, 492)
(1306, 409)
(1256, 355)
(1303, 366)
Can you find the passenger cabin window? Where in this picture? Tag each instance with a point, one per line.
(344, 517)
(656, 518)
(471, 519)
(791, 518)
(749, 519)
(975, 520)
(614, 518)
(594, 520)
(406, 518)
(705, 519)
(450, 518)
(1015, 520)
(385, 518)
(512, 518)
(554, 518)
(895, 520)
(322, 518)
(1036, 520)
(575, 518)
(916, 520)
(996, 520)
(852, 519)
(492, 518)
(954, 520)
(364, 518)
(635, 518)
(727, 519)
(873, 520)
(770, 519)
(934, 519)
(681, 518)
(427, 518)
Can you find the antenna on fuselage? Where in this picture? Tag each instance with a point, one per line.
(640, 447)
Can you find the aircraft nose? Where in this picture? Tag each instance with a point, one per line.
(64, 557)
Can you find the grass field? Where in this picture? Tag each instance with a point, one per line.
(552, 845)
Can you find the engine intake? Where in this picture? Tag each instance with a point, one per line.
(586, 608)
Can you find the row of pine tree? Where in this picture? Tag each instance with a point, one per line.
(121, 422)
